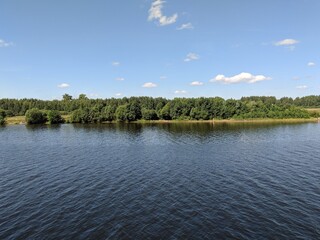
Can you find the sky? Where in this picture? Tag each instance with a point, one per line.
(172, 48)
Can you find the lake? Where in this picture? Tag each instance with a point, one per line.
(160, 181)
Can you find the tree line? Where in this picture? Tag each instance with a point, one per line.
(85, 110)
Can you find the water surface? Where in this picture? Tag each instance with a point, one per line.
(160, 181)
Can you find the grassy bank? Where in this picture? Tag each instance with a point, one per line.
(260, 120)
(21, 120)
(313, 110)
(15, 120)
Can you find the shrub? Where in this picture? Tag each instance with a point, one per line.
(2, 117)
(35, 116)
(54, 117)
(3, 113)
(80, 116)
(2, 121)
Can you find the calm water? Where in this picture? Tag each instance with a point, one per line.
(162, 181)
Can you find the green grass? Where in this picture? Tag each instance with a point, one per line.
(21, 120)
(15, 120)
(313, 110)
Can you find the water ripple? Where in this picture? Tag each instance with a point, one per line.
(160, 181)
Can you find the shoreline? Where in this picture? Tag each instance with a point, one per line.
(20, 120)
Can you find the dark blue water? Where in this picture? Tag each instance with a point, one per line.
(162, 181)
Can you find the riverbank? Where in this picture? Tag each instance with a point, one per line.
(260, 120)
(20, 120)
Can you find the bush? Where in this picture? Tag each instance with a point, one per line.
(2, 113)
(35, 116)
(2, 121)
(80, 116)
(54, 117)
(2, 117)
(9, 113)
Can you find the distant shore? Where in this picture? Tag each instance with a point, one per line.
(20, 120)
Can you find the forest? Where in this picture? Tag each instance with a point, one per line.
(85, 110)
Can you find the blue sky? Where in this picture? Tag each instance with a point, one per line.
(173, 48)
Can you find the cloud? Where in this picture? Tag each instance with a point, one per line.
(311, 64)
(288, 43)
(302, 87)
(118, 94)
(115, 64)
(155, 13)
(163, 77)
(196, 83)
(120, 79)
(185, 26)
(180, 92)
(149, 85)
(63, 85)
(3, 43)
(242, 77)
(191, 57)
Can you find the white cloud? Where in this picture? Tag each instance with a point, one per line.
(242, 77)
(180, 92)
(196, 83)
(191, 57)
(155, 13)
(185, 26)
(163, 77)
(115, 64)
(120, 79)
(118, 94)
(311, 64)
(286, 42)
(149, 85)
(302, 87)
(3, 43)
(63, 85)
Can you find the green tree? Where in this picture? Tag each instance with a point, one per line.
(67, 97)
(149, 114)
(180, 108)
(216, 107)
(165, 112)
(199, 114)
(81, 115)
(229, 108)
(35, 116)
(121, 113)
(133, 111)
(54, 117)
(109, 113)
(83, 97)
